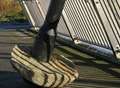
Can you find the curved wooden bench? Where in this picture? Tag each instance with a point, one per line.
(58, 72)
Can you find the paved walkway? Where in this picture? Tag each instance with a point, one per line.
(94, 72)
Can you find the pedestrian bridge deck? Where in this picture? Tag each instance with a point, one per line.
(94, 72)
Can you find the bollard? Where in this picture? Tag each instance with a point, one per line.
(37, 64)
(45, 40)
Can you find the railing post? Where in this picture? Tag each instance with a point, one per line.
(44, 42)
(109, 25)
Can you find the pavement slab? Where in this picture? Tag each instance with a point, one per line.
(94, 72)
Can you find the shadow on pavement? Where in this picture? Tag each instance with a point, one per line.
(90, 62)
(13, 80)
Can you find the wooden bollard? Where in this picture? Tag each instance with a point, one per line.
(58, 72)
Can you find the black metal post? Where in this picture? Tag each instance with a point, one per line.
(45, 39)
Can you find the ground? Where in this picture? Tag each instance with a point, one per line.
(94, 72)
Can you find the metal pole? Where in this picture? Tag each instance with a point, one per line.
(45, 39)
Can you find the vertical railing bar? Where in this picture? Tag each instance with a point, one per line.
(106, 16)
(118, 3)
(36, 15)
(68, 25)
(72, 17)
(40, 9)
(118, 7)
(110, 41)
(111, 46)
(86, 15)
(32, 20)
(90, 23)
(90, 15)
(101, 26)
(25, 12)
(85, 22)
(114, 15)
(112, 22)
(103, 36)
(44, 9)
(97, 26)
(100, 31)
(73, 9)
(83, 27)
(77, 14)
(69, 14)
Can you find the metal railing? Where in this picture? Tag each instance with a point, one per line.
(95, 22)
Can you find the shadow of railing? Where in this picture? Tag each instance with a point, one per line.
(91, 62)
(86, 78)
(13, 80)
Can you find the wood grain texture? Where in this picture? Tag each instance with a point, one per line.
(58, 72)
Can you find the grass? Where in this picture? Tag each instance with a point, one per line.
(11, 12)
(13, 17)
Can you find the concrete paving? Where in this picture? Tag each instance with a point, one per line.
(94, 72)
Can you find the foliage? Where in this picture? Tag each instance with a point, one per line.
(10, 11)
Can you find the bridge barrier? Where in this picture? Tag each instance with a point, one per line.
(95, 23)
